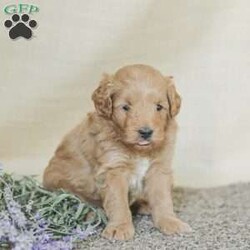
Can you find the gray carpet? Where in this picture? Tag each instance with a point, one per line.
(220, 218)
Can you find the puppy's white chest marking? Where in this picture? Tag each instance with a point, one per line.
(141, 167)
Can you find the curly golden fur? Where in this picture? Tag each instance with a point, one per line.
(120, 155)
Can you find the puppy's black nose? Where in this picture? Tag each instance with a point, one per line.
(145, 132)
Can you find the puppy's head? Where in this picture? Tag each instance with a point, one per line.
(140, 102)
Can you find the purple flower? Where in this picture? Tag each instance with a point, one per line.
(24, 241)
(53, 245)
(14, 209)
(9, 233)
(80, 234)
(24, 231)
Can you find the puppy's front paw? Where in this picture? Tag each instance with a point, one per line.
(123, 231)
(171, 225)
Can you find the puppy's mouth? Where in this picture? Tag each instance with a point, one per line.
(144, 143)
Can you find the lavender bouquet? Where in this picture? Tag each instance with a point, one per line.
(32, 218)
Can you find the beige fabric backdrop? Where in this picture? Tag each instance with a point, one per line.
(46, 83)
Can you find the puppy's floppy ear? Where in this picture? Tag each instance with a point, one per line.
(102, 96)
(174, 98)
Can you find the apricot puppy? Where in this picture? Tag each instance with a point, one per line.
(121, 154)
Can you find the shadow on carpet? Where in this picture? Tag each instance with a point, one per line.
(219, 217)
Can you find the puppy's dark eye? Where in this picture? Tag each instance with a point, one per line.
(159, 107)
(126, 107)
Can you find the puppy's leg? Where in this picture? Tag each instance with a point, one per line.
(115, 202)
(158, 187)
(71, 175)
